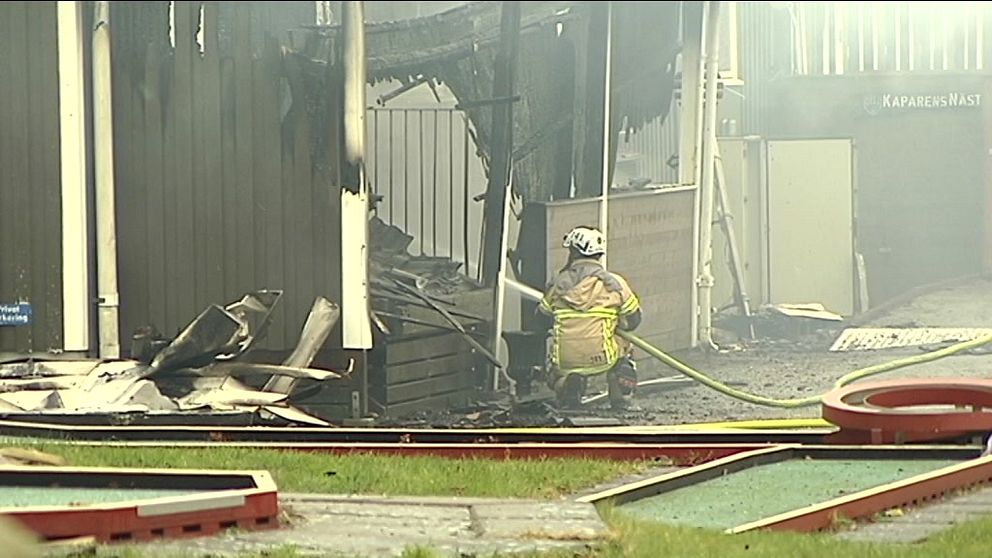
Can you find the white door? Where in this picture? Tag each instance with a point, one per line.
(810, 219)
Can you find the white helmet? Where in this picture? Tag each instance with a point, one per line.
(586, 241)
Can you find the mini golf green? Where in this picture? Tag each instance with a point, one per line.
(21, 496)
(766, 490)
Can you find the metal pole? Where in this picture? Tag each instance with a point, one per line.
(420, 178)
(375, 153)
(501, 146)
(727, 224)
(705, 279)
(451, 185)
(690, 135)
(499, 186)
(691, 113)
(500, 295)
(392, 158)
(434, 147)
(465, 194)
(604, 203)
(103, 159)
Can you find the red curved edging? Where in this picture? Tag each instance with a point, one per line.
(214, 509)
(885, 410)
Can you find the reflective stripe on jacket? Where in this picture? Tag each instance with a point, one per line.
(586, 302)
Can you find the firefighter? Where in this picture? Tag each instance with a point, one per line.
(588, 304)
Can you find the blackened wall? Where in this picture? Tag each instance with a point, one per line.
(224, 164)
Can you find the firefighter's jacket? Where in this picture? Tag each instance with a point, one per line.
(587, 302)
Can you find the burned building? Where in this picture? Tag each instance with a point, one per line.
(226, 158)
(228, 176)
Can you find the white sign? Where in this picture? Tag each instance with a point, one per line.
(875, 104)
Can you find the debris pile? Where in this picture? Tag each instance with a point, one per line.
(200, 372)
(783, 323)
(391, 260)
(419, 291)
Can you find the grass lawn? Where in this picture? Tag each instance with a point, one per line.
(366, 474)
(529, 479)
(645, 539)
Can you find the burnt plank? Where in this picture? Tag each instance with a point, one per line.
(428, 387)
(420, 348)
(334, 392)
(443, 401)
(429, 368)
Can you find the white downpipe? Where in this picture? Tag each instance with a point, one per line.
(103, 165)
(72, 130)
(604, 200)
(356, 326)
(712, 35)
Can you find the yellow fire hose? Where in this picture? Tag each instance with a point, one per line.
(844, 380)
(749, 425)
(805, 401)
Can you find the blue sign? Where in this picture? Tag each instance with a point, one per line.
(15, 314)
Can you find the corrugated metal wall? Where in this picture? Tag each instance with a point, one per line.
(222, 165)
(832, 38)
(646, 153)
(30, 218)
(854, 39)
(424, 164)
(765, 55)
